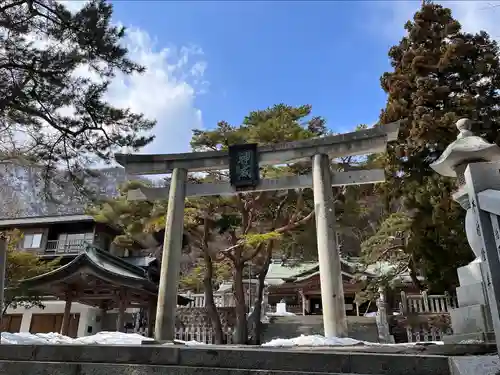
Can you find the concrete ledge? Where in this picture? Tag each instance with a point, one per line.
(423, 350)
(479, 365)
(487, 337)
(325, 361)
(57, 368)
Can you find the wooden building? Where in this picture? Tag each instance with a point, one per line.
(298, 284)
(97, 285)
(300, 287)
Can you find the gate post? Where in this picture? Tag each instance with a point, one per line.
(332, 293)
(171, 258)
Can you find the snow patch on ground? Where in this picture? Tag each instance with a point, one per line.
(317, 340)
(119, 338)
(101, 338)
(314, 340)
(190, 343)
(281, 313)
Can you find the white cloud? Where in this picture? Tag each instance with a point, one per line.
(167, 91)
(390, 16)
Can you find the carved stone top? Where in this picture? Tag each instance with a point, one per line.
(467, 149)
(464, 126)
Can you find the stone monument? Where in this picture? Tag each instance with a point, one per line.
(472, 320)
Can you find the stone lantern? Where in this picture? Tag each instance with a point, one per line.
(471, 320)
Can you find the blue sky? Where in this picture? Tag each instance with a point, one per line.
(217, 60)
(262, 53)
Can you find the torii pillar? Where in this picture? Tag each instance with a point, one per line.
(320, 150)
(330, 273)
(171, 258)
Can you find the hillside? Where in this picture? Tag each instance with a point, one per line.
(21, 191)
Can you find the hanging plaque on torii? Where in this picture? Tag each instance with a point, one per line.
(244, 166)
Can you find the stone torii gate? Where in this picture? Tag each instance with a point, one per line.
(243, 162)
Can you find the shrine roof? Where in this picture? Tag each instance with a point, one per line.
(280, 271)
(284, 276)
(92, 269)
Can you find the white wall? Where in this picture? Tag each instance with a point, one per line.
(88, 315)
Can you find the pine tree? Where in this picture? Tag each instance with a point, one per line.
(62, 114)
(440, 74)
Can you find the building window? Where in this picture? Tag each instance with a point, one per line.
(73, 241)
(32, 241)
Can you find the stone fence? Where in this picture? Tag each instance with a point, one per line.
(426, 304)
(422, 318)
(221, 300)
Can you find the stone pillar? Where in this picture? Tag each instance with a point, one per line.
(265, 302)
(472, 319)
(151, 316)
(480, 179)
(3, 263)
(303, 301)
(332, 293)
(120, 321)
(170, 265)
(382, 319)
(67, 315)
(104, 313)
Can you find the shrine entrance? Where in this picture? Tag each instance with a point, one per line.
(243, 162)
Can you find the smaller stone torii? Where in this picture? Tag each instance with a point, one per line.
(243, 161)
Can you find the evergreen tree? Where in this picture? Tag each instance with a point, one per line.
(61, 114)
(22, 265)
(440, 74)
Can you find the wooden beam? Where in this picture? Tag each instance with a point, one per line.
(284, 183)
(67, 314)
(361, 142)
(122, 306)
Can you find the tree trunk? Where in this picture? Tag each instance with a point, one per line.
(241, 334)
(209, 299)
(413, 274)
(258, 309)
(256, 337)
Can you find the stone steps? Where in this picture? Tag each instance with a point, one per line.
(360, 328)
(217, 360)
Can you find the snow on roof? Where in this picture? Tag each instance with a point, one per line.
(225, 287)
(280, 271)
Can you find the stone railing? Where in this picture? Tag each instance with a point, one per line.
(422, 317)
(198, 333)
(426, 304)
(419, 327)
(221, 300)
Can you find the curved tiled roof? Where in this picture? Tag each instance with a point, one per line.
(101, 265)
